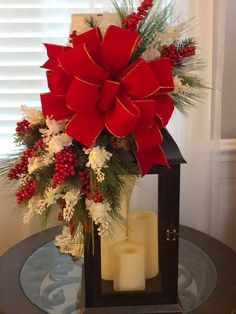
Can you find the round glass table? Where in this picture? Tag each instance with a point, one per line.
(52, 281)
(36, 278)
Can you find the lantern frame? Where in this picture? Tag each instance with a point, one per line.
(141, 302)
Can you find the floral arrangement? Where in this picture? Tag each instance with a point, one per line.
(110, 96)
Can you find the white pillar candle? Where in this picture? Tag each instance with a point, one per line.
(142, 229)
(129, 267)
(119, 232)
(107, 256)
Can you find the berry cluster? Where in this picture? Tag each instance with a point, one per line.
(172, 53)
(176, 54)
(65, 164)
(132, 21)
(187, 51)
(22, 166)
(84, 177)
(26, 191)
(72, 35)
(96, 196)
(22, 127)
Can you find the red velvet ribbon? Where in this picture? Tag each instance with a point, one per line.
(94, 86)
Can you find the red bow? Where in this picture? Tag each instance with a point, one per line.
(94, 85)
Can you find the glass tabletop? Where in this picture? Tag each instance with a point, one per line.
(52, 281)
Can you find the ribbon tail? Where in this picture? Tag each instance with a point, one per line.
(85, 128)
(150, 157)
(55, 106)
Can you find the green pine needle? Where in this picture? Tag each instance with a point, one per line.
(156, 21)
(123, 8)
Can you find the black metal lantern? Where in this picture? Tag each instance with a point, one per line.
(160, 293)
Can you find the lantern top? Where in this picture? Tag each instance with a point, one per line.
(171, 150)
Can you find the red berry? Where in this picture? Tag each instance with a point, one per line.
(26, 191)
(65, 164)
(22, 166)
(22, 127)
(72, 35)
(133, 19)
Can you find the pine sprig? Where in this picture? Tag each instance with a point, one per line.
(30, 138)
(116, 173)
(123, 8)
(46, 215)
(184, 102)
(156, 21)
(91, 22)
(43, 177)
(5, 166)
(185, 42)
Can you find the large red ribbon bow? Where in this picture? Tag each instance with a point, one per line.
(96, 87)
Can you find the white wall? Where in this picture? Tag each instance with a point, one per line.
(12, 229)
(229, 99)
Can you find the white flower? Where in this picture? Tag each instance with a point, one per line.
(151, 53)
(38, 204)
(180, 87)
(32, 115)
(98, 158)
(71, 199)
(35, 163)
(57, 143)
(53, 127)
(169, 35)
(99, 212)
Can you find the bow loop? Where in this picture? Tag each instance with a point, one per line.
(80, 128)
(117, 48)
(163, 71)
(139, 80)
(54, 106)
(92, 39)
(109, 91)
(147, 108)
(53, 52)
(58, 81)
(82, 96)
(78, 62)
(127, 112)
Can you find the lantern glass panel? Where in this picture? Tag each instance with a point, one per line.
(130, 258)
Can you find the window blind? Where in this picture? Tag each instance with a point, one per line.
(24, 26)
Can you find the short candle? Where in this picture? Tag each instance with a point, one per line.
(129, 267)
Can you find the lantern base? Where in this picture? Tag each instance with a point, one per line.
(137, 309)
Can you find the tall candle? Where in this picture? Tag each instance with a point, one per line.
(119, 232)
(142, 229)
(129, 268)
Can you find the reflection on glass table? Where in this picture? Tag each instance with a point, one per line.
(52, 281)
